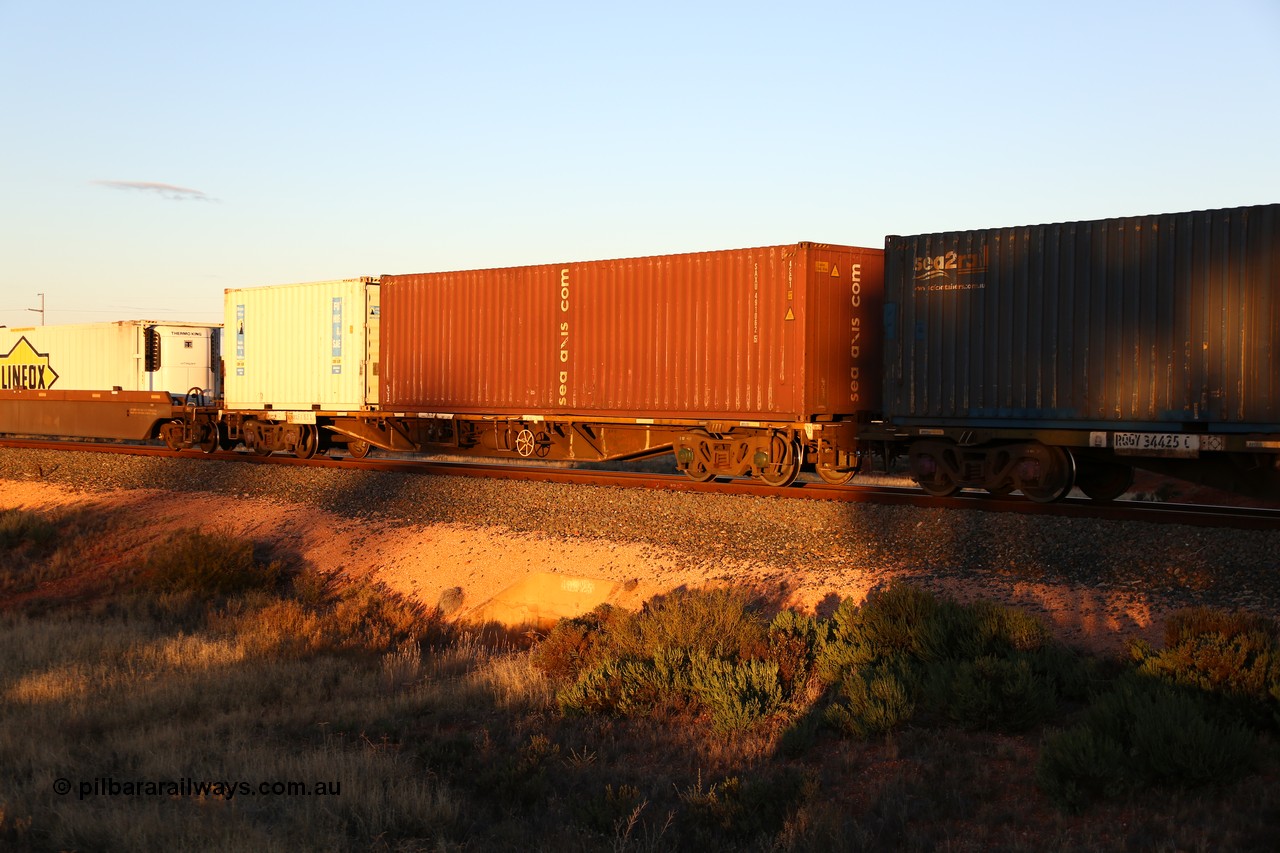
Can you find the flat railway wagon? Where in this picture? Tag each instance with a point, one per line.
(1038, 357)
(126, 380)
(742, 362)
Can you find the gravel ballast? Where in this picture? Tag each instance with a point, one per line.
(768, 540)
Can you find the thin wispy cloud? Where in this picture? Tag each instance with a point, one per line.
(166, 191)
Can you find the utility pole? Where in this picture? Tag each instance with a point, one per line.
(39, 310)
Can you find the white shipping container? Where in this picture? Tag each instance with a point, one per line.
(132, 355)
(303, 347)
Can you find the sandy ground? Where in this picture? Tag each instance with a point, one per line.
(484, 573)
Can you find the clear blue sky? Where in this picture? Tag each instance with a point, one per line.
(154, 153)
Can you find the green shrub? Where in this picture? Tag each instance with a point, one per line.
(993, 692)
(999, 627)
(902, 619)
(609, 811)
(371, 618)
(205, 564)
(895, 620)
(983, 665)
(792, 643)
(574, 645)
(841, 648)
(736, 694)
(1144, 731)
(692, 649)
(873, 700)
(1195, 622)
(1233, 654)
(718, 621)
(629, 686)
(1072, 675)
(1080, 765)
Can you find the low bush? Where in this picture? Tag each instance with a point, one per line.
(1232, 654)
(993, 692)
(874, 699)
(905, 650)
(1144, 731)
(574, 645)
(693, 650)
(1080, 765)
(735, 694)
(792, 643)
(899, 619)
(738, 694)
(209, 565)
(723, 622)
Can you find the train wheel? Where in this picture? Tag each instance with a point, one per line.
(1054, 474)
(783, 472)
(1104, 481)
(209, 438)
(834, 477)
(308, 441)
(931, 466)
(699, 473)
(172, 435)
(939, 486)
(358, 449)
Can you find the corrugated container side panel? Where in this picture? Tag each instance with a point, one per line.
(1220, 307)
(819, 303)
(1015, 389)
(682, 319)
(1142, 319)
(625, 334)
(1101, 363)
(1108, 363)
(1235, 325)
(840, 305)
(1157, 350)
(1143, 360)
(1037, 368)
(1263, 349)
(298, 346)
(87, 356)
(101, 356)
(1047, 330)
(770, 372)
(673, 336)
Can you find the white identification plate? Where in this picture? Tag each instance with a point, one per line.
(1157, 443)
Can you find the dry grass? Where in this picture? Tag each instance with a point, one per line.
(427, 738)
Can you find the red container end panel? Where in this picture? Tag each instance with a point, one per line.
(781, 333)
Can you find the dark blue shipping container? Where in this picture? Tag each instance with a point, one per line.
(1146, 322)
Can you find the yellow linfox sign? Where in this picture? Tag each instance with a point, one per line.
(24, 369)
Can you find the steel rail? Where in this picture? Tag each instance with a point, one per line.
(1263, 518)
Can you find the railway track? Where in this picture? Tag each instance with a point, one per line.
(1257, 518)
